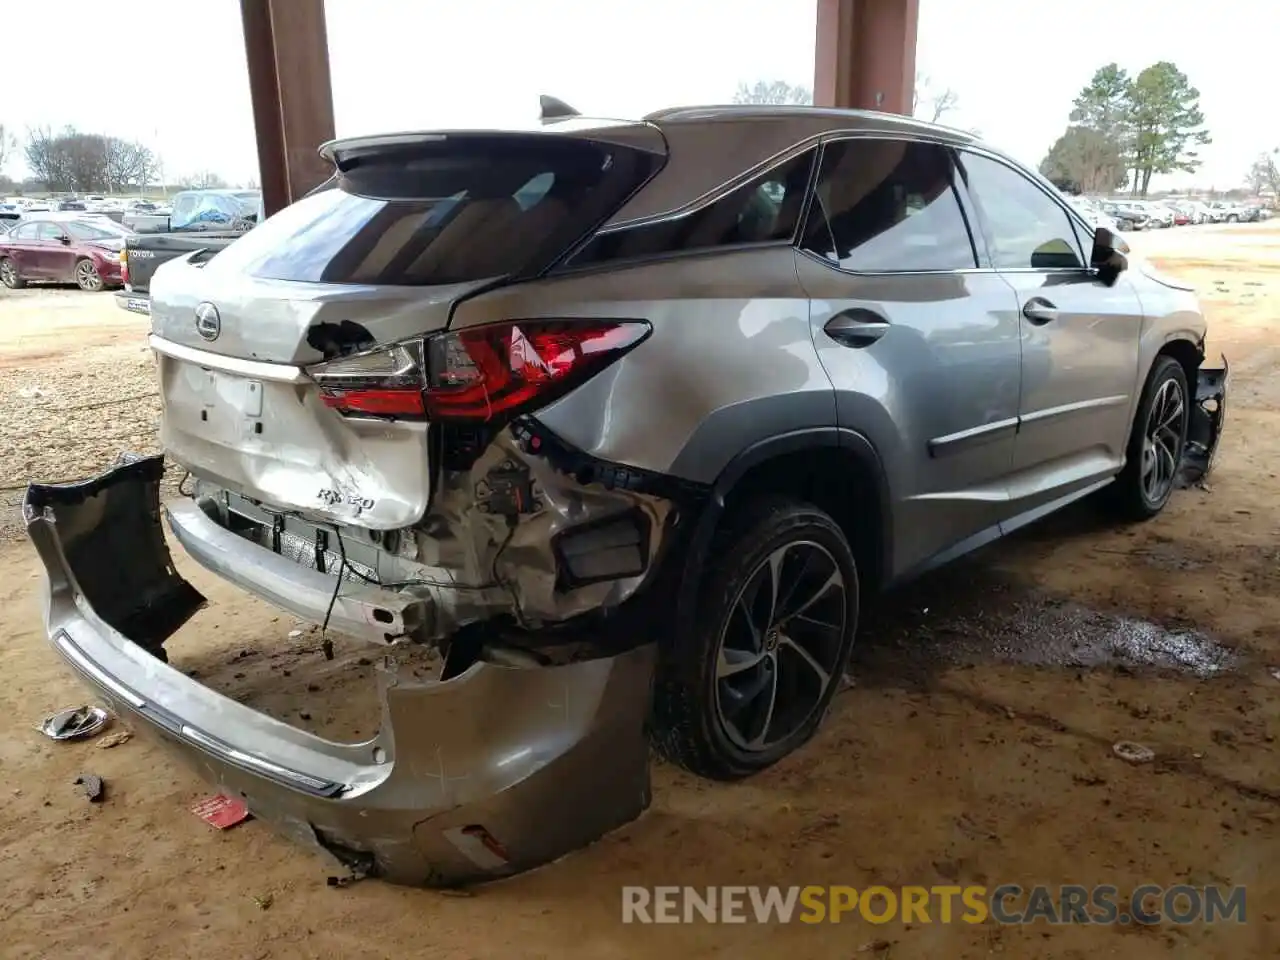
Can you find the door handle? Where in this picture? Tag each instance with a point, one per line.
(856, 328)
(1039, 310)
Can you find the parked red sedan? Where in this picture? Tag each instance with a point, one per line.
(85, 252)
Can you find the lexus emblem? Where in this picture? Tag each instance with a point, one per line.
(208, 323)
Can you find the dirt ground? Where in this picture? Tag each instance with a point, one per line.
(973, 747)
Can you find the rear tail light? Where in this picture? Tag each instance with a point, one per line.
(124, 266)
(478, 374)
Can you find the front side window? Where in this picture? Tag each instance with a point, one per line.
(765, 209)
(888, 206)
(1026, 228)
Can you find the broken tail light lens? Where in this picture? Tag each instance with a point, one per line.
(478, 374)
(499, 369)
(381, 383)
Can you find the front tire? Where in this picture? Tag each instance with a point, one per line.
(9, 275)
(777, 612)
(87, 277)
(1155, 443)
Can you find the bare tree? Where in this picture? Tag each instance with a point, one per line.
(128, 163)
(1264, 175)
(931, 104)
(925, 102)
(86, 155)
(204, 180)
(8, 144)
(772, 91)
(46, 159)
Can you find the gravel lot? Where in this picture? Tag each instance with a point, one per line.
(79, 385)
(975, 746)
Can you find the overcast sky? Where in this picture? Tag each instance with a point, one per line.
(172, 73)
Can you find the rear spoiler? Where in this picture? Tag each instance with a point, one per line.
(636, 134)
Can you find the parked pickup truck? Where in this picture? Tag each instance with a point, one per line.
(204, 220)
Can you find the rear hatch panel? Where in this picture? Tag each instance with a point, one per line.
(411, 226)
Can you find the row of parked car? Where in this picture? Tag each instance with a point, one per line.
(115, 208)
(1130, 214)
(92, 248)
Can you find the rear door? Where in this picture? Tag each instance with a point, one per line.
(921, 342)
(1079, 337)
(355, 277)
(24, 249)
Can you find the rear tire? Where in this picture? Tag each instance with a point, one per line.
(1156, 440)
(776, 617)
(9, 275)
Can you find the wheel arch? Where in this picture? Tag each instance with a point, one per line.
(1188, 352)
(834, 468)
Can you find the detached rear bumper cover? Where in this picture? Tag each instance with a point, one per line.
(487, 774)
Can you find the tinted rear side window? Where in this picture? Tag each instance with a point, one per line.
(886, 206)
(458, 209)
(765, 209)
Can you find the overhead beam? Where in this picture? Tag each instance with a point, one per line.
(865, 55)
(287, 51)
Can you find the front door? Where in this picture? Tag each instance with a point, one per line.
(57, 258)
(920, 344)
(1079, 337)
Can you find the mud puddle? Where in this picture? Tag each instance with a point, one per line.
(970, 614)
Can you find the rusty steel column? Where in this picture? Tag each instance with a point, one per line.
(288, 56)
(865, 56)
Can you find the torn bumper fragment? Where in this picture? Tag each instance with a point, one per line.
(492, 772)
(1204, 426)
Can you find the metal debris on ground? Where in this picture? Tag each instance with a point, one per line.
(221, 811)
(264, 902)
(876, 946)
(74, 723)
(115, 739)
(346, 879)
(93, 787)
(1132, 752)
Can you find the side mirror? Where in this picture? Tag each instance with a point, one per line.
(1108, 255)
(64, 239)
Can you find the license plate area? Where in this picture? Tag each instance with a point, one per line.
(231, 407)
(276, 442)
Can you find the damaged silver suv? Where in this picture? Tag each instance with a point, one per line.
(627, 419)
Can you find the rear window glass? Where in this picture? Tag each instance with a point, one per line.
(450, 211)
(89, 231)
